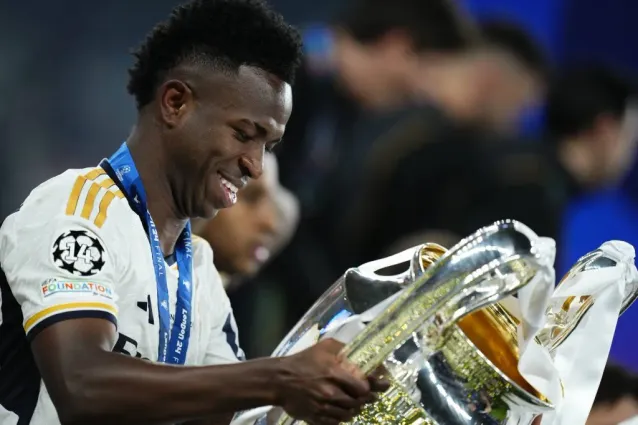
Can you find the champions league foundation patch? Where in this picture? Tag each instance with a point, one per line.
(68, 287)
(79, 252)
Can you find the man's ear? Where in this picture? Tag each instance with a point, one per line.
(176, 98)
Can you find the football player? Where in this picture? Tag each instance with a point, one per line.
(112, 314)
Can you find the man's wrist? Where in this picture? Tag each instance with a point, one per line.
(275, 376)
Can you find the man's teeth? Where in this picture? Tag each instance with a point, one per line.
(228, 185)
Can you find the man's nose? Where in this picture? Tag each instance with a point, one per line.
(252, 166)
(269, 222)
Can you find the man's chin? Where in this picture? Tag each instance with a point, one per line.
(205, 212)
(247, 269)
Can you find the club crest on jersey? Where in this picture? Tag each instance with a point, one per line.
(78, 252)
(69, 287)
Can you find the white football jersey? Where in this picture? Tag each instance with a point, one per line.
(76, 249)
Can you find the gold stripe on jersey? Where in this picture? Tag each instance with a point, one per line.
(51, 311)
(89, 203)
(95, 173)
(104, 205)
(72, 203)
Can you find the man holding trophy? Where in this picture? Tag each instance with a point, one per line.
(99, 328)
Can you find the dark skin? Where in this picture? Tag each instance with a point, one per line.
(202, 123)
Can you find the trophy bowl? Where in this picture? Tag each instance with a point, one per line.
(447, 347)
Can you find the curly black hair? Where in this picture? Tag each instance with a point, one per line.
(616, 384)
(579, 95)
(225, 33)
(438, 25)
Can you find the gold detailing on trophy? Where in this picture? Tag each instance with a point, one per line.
(493, 331)
(430, 254)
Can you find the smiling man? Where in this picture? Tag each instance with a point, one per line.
(111, 313)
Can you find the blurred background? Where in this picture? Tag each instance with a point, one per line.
(553, 145)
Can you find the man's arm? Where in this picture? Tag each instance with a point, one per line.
(90, 384)
(66, 270)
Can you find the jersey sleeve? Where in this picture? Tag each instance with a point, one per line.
(222, 346)
(60, 264)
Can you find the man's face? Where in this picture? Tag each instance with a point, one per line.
(621, 146)
(483, 87)
(611, 143)
(613, 414)
(511, 89)
(243, 235)
(219, 125)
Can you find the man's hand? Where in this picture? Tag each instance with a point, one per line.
(320, 387)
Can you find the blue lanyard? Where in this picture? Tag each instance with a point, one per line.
(173, 343)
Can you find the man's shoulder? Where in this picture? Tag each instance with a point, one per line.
(78, 200)
(75, 225)
(88, 194)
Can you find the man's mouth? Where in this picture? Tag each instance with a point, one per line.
(261, 254)
(230, 190)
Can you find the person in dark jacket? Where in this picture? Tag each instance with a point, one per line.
(421, 176)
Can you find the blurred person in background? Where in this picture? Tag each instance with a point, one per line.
(492, 85)
(470, 182)
(431, 168)
(592, 120)
(617, 397)
(258, 226)
(616, 400)
(375, 57)
(372, 58)
(598, 147)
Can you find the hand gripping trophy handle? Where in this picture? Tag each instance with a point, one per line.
(479, 271)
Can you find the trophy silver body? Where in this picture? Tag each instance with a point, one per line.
(448, 347)
(422, 343)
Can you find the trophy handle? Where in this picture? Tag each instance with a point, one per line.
(366, 287)
(495, 262)
(420, 258)
(564, 317)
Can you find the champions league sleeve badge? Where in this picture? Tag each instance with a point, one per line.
(79, 252)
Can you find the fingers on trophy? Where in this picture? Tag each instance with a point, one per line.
(477, 334)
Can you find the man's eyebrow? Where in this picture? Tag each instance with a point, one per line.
(260, 128)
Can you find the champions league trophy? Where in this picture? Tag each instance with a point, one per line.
(456, 345)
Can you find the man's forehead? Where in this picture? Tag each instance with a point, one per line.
(243, 80)
(249, 89)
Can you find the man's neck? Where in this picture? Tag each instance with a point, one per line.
(150, 163)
